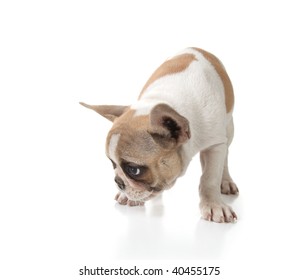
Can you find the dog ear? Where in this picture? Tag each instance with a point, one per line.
(168, 128)
(110, 112)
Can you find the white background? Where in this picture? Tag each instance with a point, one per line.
(57, 211)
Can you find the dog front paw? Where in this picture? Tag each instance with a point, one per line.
(217, 211)
(122, 199)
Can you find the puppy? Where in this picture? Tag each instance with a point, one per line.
(184, 108)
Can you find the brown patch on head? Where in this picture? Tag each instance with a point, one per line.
(229, 93)
(174, 65)
(137, 148)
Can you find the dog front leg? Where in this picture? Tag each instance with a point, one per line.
(211, 205)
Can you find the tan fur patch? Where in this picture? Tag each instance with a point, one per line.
(174, 65)
(229, 93)
(137, 146)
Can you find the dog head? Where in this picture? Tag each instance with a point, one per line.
(145, 149)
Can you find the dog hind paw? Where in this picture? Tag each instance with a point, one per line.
(229, 187)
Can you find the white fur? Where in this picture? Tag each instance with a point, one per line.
(144, 106)
(113, 147)
(197, 93)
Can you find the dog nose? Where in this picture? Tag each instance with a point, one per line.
(120, 183)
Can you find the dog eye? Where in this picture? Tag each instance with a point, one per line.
(133, 171)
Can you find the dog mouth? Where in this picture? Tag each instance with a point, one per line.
(141, 192)
(142, 195)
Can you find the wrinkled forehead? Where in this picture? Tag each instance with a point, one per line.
(132, 146)
(130, 140)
